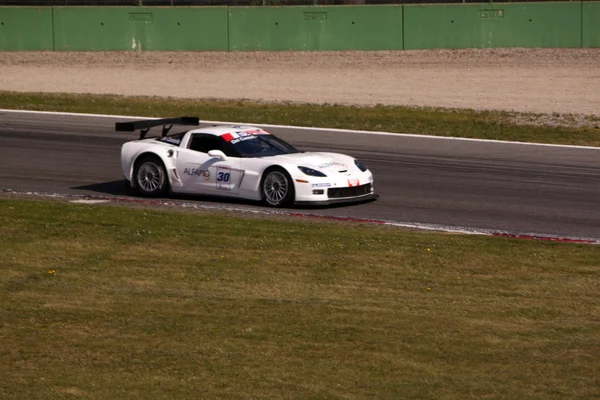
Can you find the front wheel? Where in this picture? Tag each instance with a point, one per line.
(150, 177)
(277, 188)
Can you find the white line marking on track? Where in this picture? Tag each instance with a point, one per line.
(307, 128)
(88, 201)
(411, 225)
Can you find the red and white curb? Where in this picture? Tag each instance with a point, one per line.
(93, 200)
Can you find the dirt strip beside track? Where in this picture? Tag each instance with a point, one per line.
(540, 80)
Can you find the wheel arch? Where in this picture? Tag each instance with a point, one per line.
(276, 167)
(139, 158)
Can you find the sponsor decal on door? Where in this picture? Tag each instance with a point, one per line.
(223, 177)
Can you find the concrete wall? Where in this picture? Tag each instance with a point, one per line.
(395, 27)
(492, 25)
(26, 28)
(315, 28)
(590, 24)
(140, 28)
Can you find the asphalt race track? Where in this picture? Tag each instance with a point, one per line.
(516, 188)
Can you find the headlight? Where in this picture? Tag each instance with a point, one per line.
(311, 172)
(360, 165)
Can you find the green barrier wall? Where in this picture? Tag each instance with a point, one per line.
(394, 27)
(492, 25)
(590, 35)
(316, 28)
(25, 28)
(139, 28)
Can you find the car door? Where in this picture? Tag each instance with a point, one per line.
(201, 173)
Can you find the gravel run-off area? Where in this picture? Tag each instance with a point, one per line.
(545, 81)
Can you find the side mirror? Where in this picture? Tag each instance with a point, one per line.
(217, 154)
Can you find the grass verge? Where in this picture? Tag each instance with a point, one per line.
(420, 120)
(114, 303)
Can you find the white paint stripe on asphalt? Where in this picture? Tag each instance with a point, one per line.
(97, 199)
(307, 128)
(89, 201)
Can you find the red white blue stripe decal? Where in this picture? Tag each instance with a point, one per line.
(240, 134)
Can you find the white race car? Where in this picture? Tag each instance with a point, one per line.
(238, 161)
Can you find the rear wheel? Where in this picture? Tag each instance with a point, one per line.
(150, 177)
(277, 188)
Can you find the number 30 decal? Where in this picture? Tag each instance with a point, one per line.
(223, 176)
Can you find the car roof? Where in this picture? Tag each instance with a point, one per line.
(219, 130)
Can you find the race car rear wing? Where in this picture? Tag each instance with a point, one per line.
(144, 125)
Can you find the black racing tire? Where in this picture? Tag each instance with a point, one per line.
(150, 177)
(277, 187)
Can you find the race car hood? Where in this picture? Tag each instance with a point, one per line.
(328, 163)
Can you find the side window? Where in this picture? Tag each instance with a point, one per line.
(204, 143)
(228, 148)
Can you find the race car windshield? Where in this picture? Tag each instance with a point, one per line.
(262, 146)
